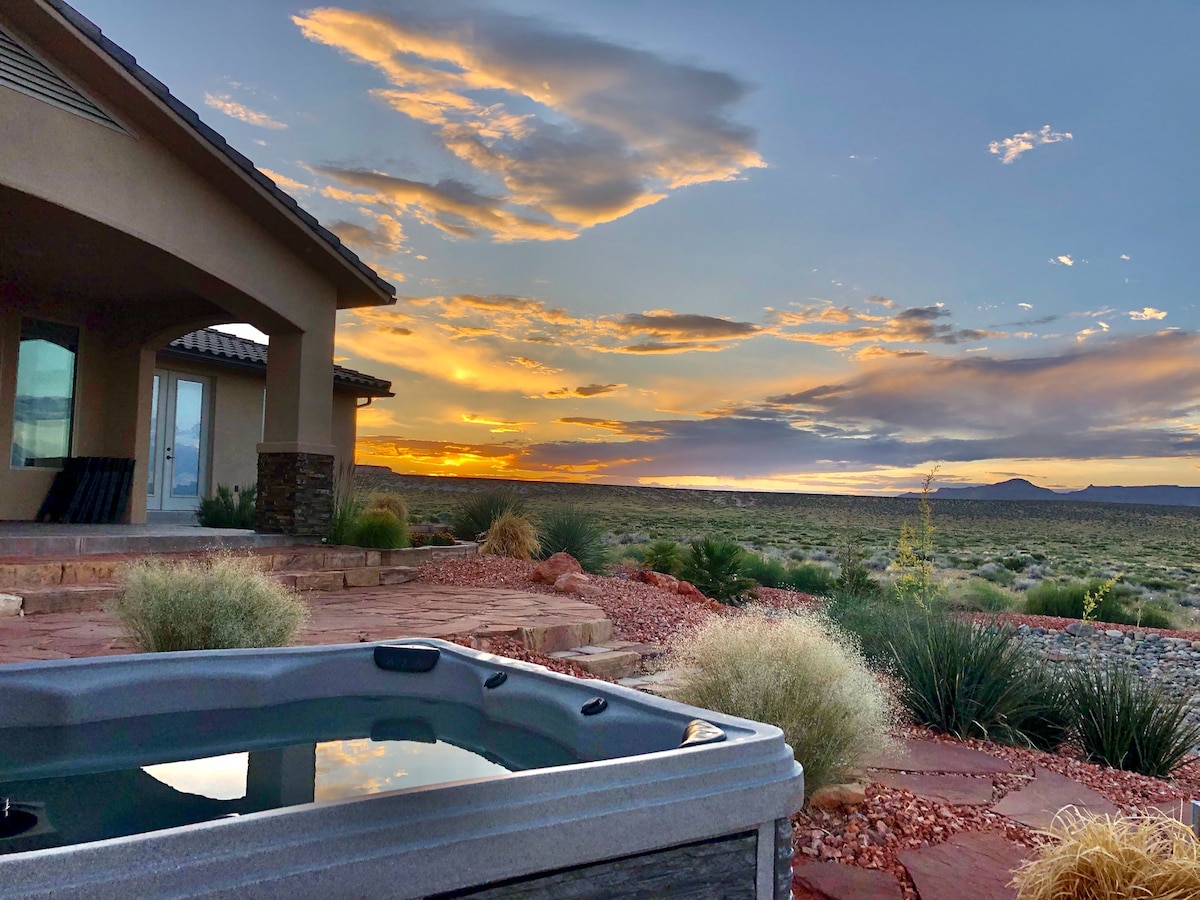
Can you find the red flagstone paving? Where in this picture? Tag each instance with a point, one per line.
(345, 616)
(977, 865)
(955, 789)
(1036, 804)
(836, 881)
(934, 756)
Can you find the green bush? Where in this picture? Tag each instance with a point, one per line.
(226, 511)
(476, 512)
(1129, 722)
(511, 535)
(223, 603)
(763, 570)
(810, 578)
(798, 673)
(573, 530)
(972, 682)
(854, 578)
(348, 504)
(872, 622)
(1067, 600)
(663, 556)
(714, 565)
(978, 595)
(380, 529)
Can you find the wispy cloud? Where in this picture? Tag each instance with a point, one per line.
(387, 235)
(226, 104)
(584, 390)
(1011, 148)
(917, 325)
(1084, 334)
(1064, 260)
(1146, 313)
(573, 129)
(288, 184)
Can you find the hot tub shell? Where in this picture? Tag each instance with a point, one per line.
(646, 817)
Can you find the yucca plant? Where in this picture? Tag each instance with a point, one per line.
(715, 566)
(1129, 722)
(972, 682)
(573, 530)
(476, 512)
(663, 556)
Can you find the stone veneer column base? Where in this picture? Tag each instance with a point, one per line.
(295, 493)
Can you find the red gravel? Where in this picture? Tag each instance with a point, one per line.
(1061, 623)
(639, 612)
(514, 649)
(778, 598)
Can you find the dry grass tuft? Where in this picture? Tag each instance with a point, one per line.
(799, 673)
(1103, 858)
(513, 536)
(392, 502)
(213, 604)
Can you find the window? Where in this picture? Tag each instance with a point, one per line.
(45, 394)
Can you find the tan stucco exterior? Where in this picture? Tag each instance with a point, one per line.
(138, 234)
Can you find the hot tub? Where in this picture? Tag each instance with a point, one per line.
(399, 769)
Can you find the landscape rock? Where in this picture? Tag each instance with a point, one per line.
(689, 590)
(841, 882)
(10, 605)
(975, 864)
(660, 580)
(557, 565)
(589, 590)
(832, 796)
(570, 582)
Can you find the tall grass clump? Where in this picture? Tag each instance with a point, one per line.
(348, 504)
(218, 604)
(1098, 857)
(715, 566)
(664, 556)
(511, 535)
(798, 673)
(476, 512)
(223, 510)
(978, 595)
(1129, 722)
(380, 529)
(1095, 600)
(573, 530)
(975, 682)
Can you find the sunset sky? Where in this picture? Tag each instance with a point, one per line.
(762, 245)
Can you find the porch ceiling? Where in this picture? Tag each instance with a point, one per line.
(130, 286)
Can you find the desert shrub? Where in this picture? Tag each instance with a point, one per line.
(810, 578)
(573, 530)
(223, 510)
(1129, 722)
(1101, 857)
(873, 623)
(1070, 601)
(714, 565)
(511, 535)
(348, 504)
(217, 604)
(663, 556)
(798, 673)
(440, 539)
(476, 512)
(915, 580)
(392, 502)
(854, 577)
(379, 529)
(764, 570)
(969, 681)
(996, 573)
(981, 596)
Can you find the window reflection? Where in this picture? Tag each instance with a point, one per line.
(45, 400)
(150, 481)
(189, 408)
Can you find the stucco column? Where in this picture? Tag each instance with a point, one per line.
(295, 459)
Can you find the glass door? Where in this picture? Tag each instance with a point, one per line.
(179, 422)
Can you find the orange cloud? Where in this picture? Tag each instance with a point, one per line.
(226, 104)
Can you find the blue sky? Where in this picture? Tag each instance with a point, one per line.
(794, 246)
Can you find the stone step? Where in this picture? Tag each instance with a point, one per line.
(20, 575)
(56, 598)
(615, 660)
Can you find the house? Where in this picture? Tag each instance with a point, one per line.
(207, 415)
(127, 224)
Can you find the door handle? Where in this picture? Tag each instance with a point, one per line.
(168, 455)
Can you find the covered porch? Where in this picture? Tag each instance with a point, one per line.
(125, 223)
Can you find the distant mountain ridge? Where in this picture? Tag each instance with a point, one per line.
(1020, 489)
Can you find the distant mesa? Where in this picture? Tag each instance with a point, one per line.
(1020, 489)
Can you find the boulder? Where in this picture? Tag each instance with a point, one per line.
(10, 604)
(588, 590)
(659, 580)
(570, 582)
(833, 796)
(557, 565)
(689, 590)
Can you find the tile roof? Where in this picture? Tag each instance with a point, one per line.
(208, 343)
(128, 62)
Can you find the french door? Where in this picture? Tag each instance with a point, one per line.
(179, 423)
